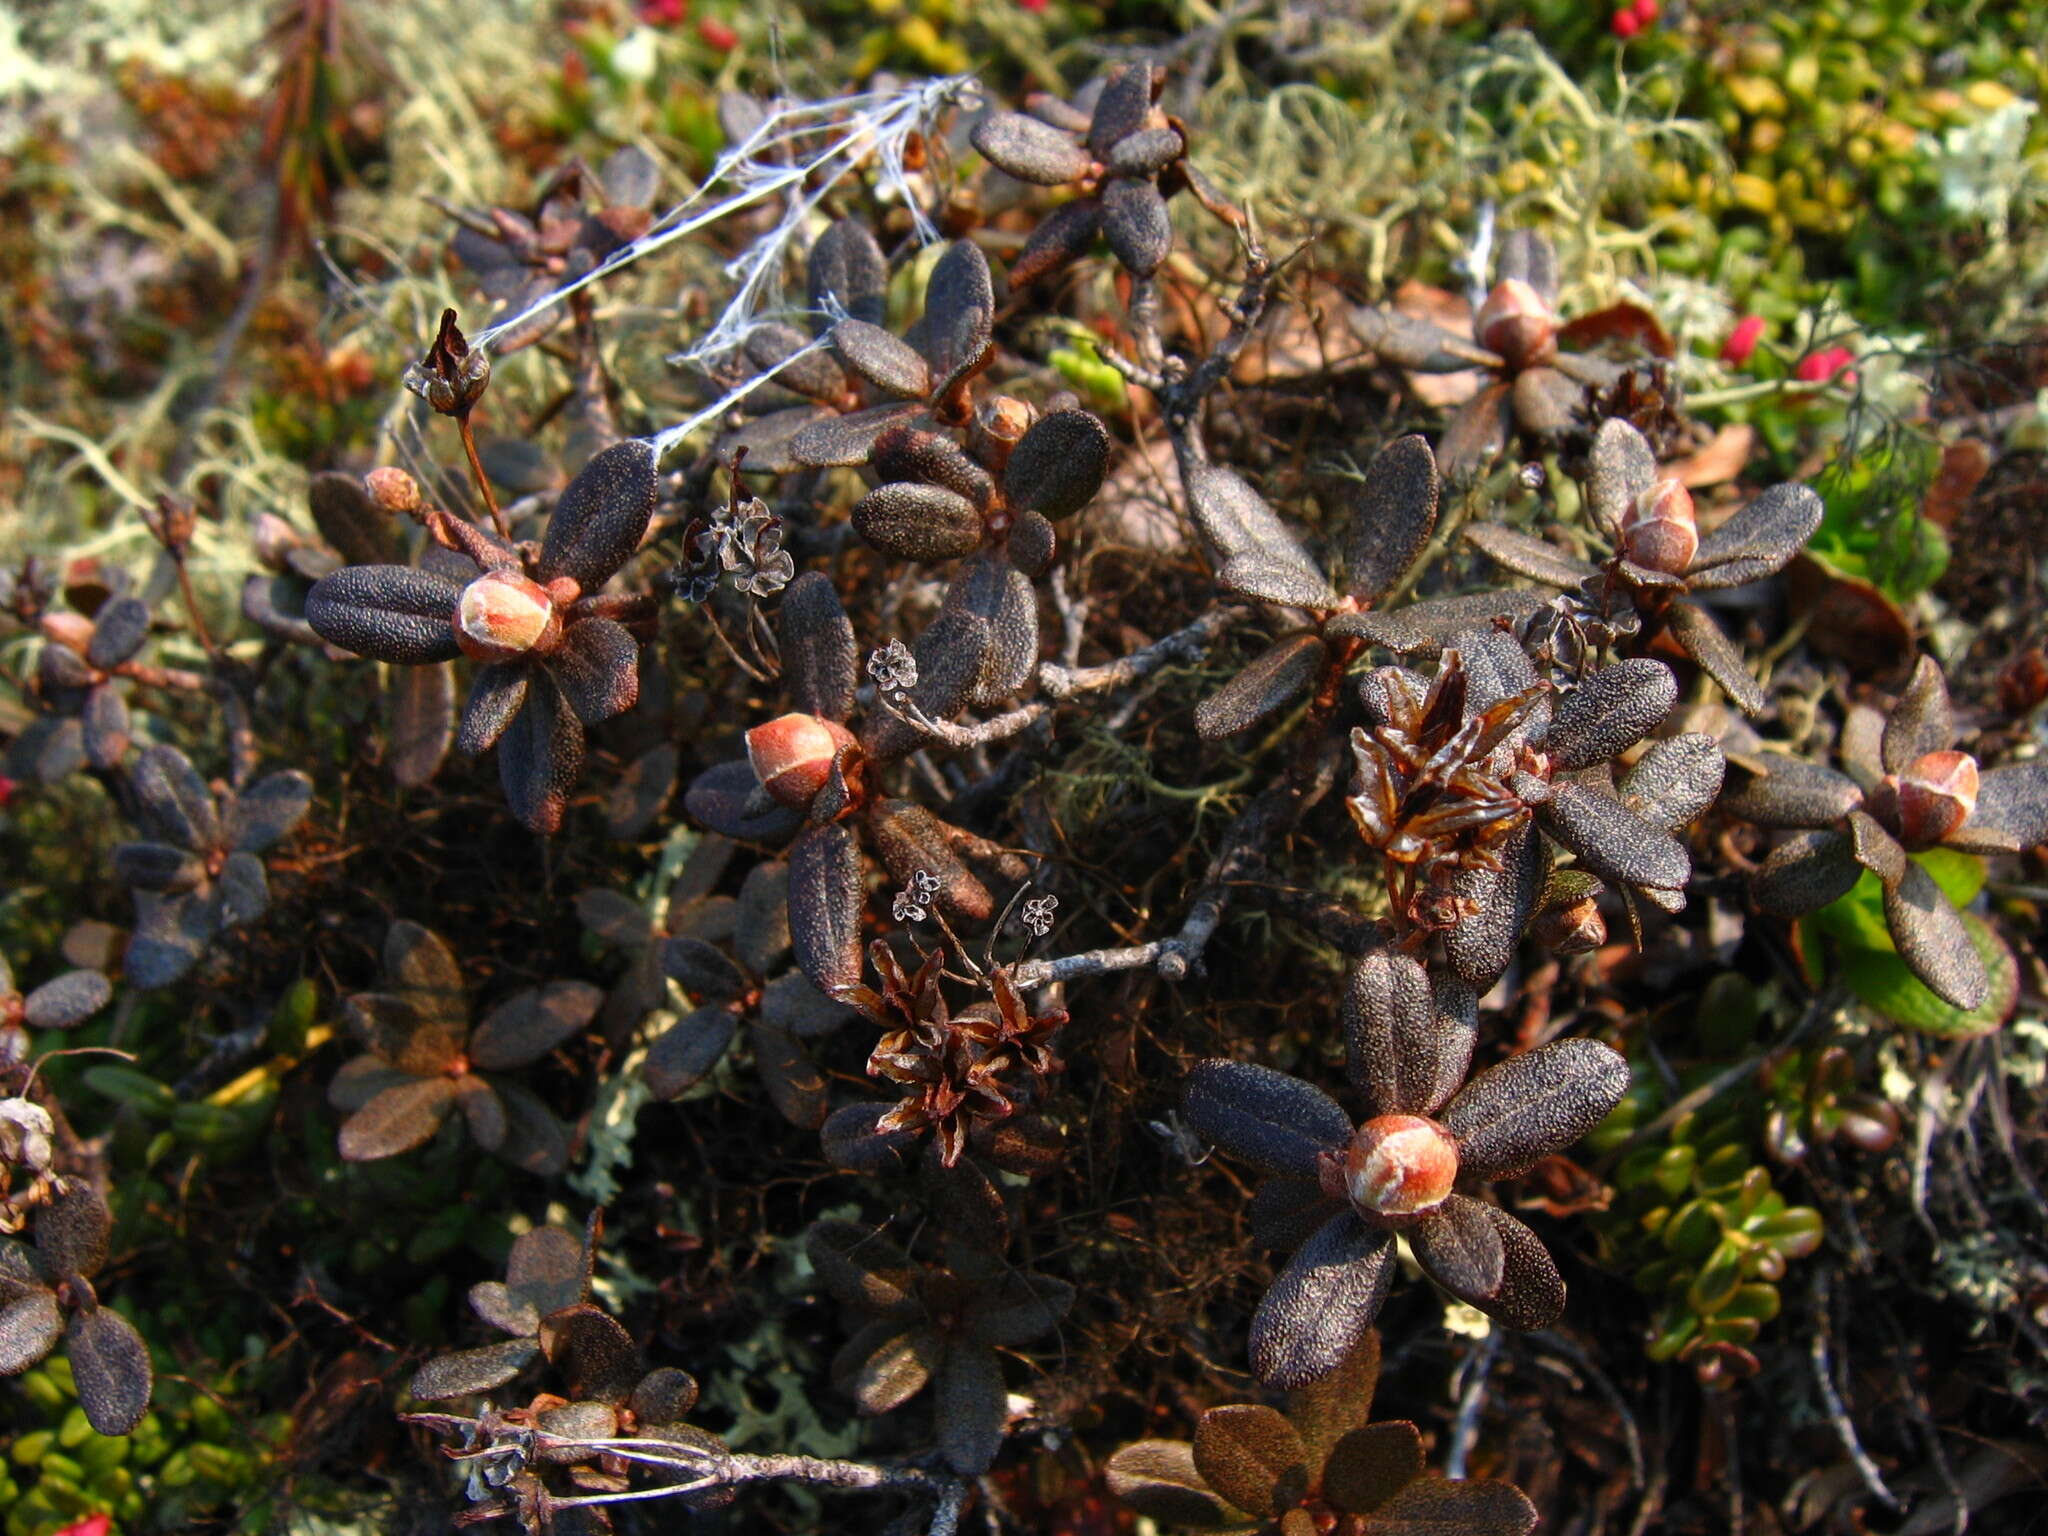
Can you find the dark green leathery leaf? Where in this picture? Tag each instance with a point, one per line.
(1612, 841)
(846, 271)
(1391, 510)
(386, 612)
(1706, 643)
(1932, 940)
(357, 528)
(1269, 580)
(467, 1371)
(1270, 683)
(1158, 1480)
(1609, 712)
(72, 1230)
(1428, 626)
(1058, 465)
(597, 667)
(687, 1050)
(1135, 222)
(30, 1326)
(826, 896)
(1922, 721)
(819, 657)
(1790, 792)
(497, 693)
(891, 365)
(1123, 106)
(1407, 342)
(1529, 1106)
(959, 316)
(157, 867)
(1370, 1464)
(175, 802)
(66, 1001)
(1477, 435)
(1805, 872)
(918, 522)
(909, 838)
(1531, 1293)
(1272, 1121)
(397, 1120)
(1459, 1248)
(1482, 947)
(540, 756)
(1029, 150)
(1758, 540)
(1404, 1052)
(838, 442)
(600, 517)
(862, 1268)
(1675, 780)
(110, 1364)
(421, 728)
(971, 1406)
(1253, 1457)
(1621, 468)
(994, 590)
(1322, 1303)
(934, 458)
(531, 1023)
(118, 630)
(1433, 1506)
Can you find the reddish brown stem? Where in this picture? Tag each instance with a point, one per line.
(483, 484)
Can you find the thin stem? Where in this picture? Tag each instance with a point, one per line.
(191, 601)
(483, 483)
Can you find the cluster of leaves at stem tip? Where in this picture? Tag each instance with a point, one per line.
(1513, 760)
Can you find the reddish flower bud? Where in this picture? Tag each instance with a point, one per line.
(393, 490)
(792, 756)
(1574, 928)
(502, 616)
(1936, 795)
(1515, 322)
(998, 427)
(73, 631)
(1660, 531)
(1626, 24)
(718, 34)
(1398, 1165)
(1741, 343)
(1828, 363)
(1647, 11)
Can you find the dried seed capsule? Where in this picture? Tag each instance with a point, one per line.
(393, 490)
(1659, 532)
(1515, 322)
(792, 756)
(502, 616)
(1935, 796)
(1398, 1165)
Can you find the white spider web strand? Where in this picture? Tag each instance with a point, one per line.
(668, 437)
(877, 123)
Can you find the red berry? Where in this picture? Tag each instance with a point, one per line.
(718, 34)
(1741, 343)
(1626, 24)
(1647, 12)
(1827, 363)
